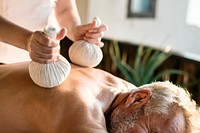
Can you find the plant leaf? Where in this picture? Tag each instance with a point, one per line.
(155, 61)
(168, 72)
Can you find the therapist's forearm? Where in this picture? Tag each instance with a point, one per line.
(13, 34)
(67, 14)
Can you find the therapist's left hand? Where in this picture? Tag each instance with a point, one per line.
(90, 32)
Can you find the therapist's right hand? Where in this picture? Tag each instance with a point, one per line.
(43, 49)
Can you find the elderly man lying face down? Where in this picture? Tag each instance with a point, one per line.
(80, 103)
(160, 107)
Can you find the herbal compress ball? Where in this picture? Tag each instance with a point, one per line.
(84, 53)
(52, 74)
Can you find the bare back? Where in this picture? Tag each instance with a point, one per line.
(77, 105)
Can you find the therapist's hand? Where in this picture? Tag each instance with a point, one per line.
(43, 49)
(89, 32)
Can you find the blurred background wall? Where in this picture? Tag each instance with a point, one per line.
(168, 28)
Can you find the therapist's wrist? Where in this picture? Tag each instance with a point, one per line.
(28, 38)
(70, 33)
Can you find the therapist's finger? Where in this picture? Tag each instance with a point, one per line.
(61, 34)
(101, 28)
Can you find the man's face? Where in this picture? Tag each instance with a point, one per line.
(121, 122)
(126, 120)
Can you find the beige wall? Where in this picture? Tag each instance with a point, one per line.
(83, 9)
(168, 28)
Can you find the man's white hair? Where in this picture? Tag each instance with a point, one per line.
(165, 94)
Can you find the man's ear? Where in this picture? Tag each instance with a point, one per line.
(137, 99)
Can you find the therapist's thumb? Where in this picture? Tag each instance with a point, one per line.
(61, 34)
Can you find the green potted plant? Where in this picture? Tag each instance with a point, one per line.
(146, 63)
